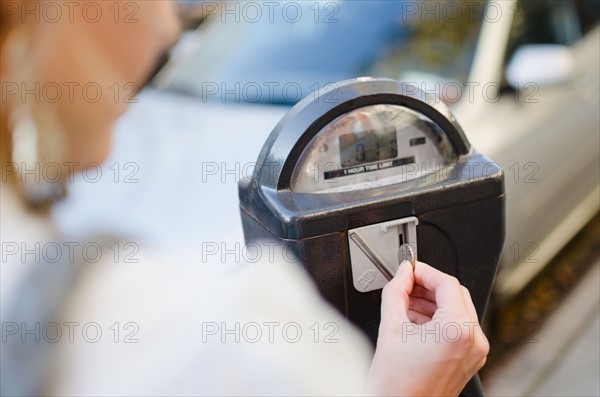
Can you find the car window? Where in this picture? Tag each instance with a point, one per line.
(441, 46)
(275, 61)
(589, 14)
(544, 22)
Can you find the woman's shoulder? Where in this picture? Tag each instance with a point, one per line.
(209, 328)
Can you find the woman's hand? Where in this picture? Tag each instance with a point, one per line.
(430, 342)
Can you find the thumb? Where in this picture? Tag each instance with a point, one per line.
(395, 295)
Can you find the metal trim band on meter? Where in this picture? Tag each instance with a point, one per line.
(310, 115)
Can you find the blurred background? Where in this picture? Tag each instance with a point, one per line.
(521, 77)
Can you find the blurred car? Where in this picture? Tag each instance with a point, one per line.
(522, 79)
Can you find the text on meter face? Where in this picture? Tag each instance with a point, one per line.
(372, 146)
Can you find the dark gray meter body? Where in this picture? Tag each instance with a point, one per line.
(355, 177)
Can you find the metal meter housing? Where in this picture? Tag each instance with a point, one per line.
(354, 172)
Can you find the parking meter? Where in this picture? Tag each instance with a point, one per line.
(369, 172)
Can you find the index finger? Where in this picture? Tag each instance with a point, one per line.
(447, 289)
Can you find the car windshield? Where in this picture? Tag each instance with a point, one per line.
(282, 54)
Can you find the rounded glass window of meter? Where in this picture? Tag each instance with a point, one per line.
(372, 146)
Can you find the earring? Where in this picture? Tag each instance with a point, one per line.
(37, 135)
(37, 150)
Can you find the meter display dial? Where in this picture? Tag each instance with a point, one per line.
(372, 146)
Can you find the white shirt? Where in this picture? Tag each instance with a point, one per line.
(194, 329)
